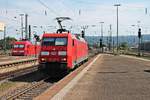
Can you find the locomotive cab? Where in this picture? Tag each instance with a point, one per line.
(25, 48)
(19, 48)
(55, 51)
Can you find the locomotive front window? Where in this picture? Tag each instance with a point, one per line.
(54, 41)
(19, 46)
(15, 46)
(48, 41)
(61, 41)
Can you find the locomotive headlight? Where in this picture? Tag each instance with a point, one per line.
(21, 51)
(44, 53)
(15, 51)
(63, 59)
(62, 53)
(43, 59)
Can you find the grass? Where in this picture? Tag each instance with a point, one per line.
(6, 85)
(148, 58)
(136, 55)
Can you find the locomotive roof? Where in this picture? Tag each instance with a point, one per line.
(74, 36)
(23, 42)
(55, 34)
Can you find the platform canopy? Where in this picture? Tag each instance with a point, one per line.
(2, 25)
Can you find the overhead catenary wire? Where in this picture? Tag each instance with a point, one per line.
(70, 9)
(51, 10)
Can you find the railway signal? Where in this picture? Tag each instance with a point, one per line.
(83, 33)
(37, 38)
(29, 38)
(139, 33)
(101, 43)
(139, 47)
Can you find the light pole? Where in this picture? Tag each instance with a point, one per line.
(133, 26)
(102, 34)
(110, 38)
(140, 38)
(26, 27)
(21, 15)
(5, 39)
(117, 5)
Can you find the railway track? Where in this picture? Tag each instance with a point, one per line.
(4, 54)
(15, 69)
(16, 73)
(16, 63)
(27, 92)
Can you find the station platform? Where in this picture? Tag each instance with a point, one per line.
(111, 78)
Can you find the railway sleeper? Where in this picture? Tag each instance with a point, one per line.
(15, 64)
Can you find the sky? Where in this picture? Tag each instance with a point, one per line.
(42, 13)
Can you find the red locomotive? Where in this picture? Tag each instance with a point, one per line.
(25, 48)
(62, 50)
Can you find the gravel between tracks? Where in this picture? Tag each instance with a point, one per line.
(20, 82)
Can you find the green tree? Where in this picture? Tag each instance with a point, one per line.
(9, 42)
(124, 46)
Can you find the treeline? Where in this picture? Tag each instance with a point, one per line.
(8, 42)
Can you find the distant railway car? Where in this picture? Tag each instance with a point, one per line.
(25, 48)
(62, 51)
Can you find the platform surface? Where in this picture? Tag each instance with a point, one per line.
(114, 78)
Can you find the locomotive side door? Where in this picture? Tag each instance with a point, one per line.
(75, 51)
